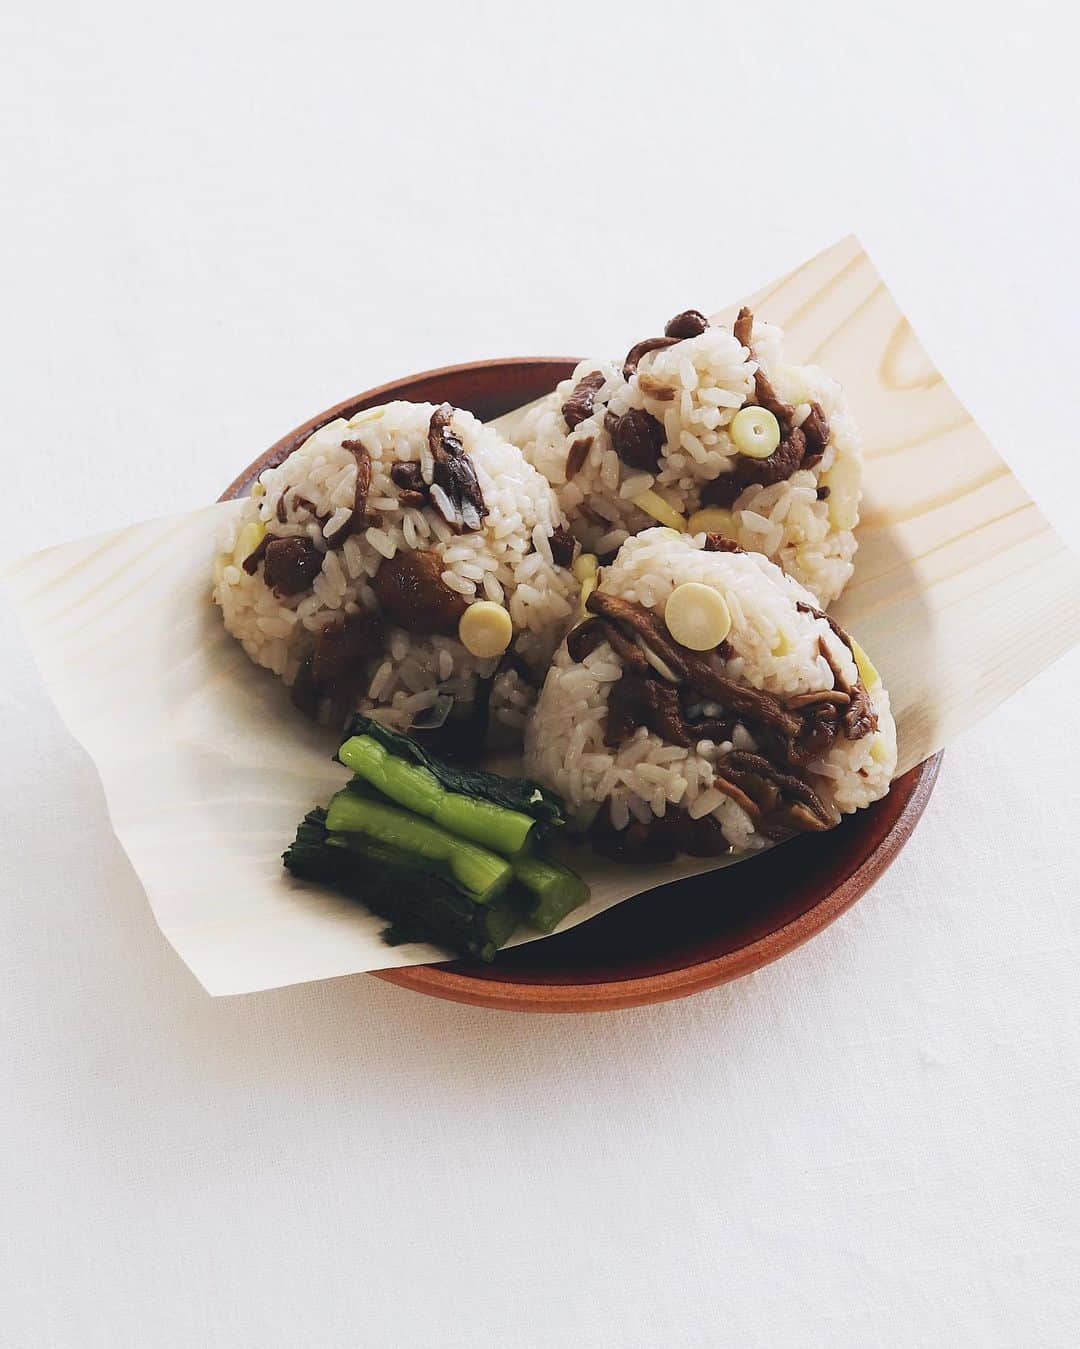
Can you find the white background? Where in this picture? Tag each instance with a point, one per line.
(219, 219)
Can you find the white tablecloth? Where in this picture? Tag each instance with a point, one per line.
(218, 222)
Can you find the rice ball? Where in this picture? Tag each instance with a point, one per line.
(772, 721)
(350, 570)
(707, 419)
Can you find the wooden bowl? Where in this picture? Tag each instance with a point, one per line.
(682, 937)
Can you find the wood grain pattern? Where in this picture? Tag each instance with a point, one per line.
(962, 590)
(962, 593)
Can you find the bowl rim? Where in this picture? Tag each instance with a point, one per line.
(383, 393)
(440, 981)
(696, 976)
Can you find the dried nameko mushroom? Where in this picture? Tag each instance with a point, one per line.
(755, 715)
(291, 565)
(690, 323)
(455, 492)
(359, 518)
(579, 406)
(562, 545)
(409, 479)
(638, 439)
(413, 595)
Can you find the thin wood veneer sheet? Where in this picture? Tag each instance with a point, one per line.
(962, 592)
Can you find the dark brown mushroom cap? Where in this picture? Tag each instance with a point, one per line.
(413, 595)
(690, 323)
(291, 565)
(638, 439)
(409, 480)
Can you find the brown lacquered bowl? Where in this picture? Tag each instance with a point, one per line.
(682, 937)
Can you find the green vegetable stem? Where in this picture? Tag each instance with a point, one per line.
(481, 874)
(519, 794)
(446, 853)
(416, 788)
(552, 891)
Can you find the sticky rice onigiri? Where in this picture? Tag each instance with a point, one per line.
(658, 438)
(772, 721)
(349, 571)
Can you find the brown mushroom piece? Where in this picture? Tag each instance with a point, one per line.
(723, 491)
(639, 440)
(343, 644)
(796, 734)
(639, 700)
(291, 565)
(335, 667)
(561, 543)
(700, 670)
(859, 716)
(627, 650)
(413, 595)
(454, 490)
(576, 456)
(582, 640)
(785, 460)
(766, 396)
(720, 543)
(788, 456)
(409, 480)
(690, 323)
(743, 327)
(634, 355)
(579, 406)
(776, 467)
(792, 791)
(253, 560)
(815, 428)
(359, 519)
(657, 389)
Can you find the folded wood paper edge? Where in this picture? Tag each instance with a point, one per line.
(907, 554)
